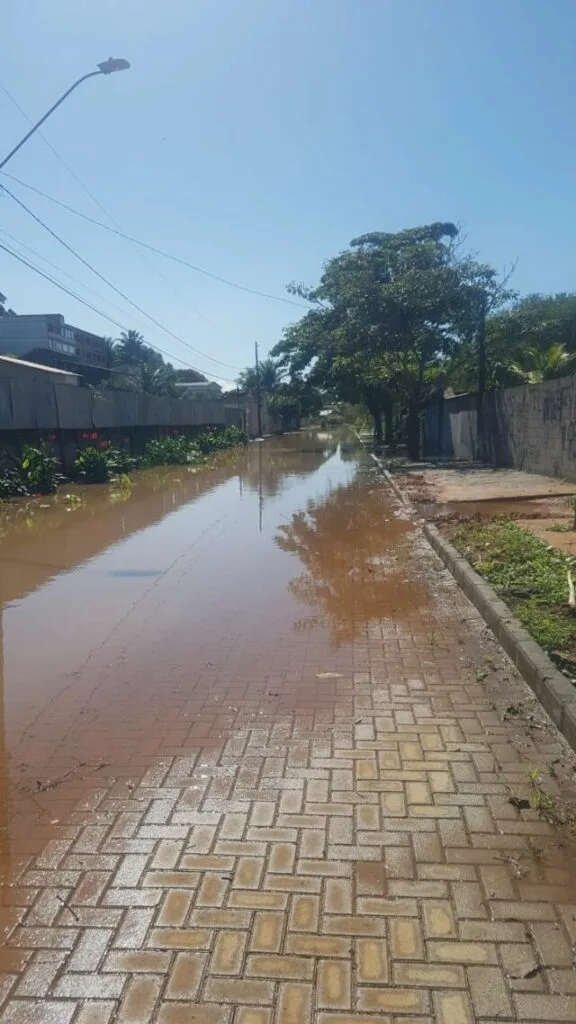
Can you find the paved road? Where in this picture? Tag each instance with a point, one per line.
(269, 777)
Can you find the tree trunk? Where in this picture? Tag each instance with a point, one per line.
(377, 417)
(389, 423)
(413, 432)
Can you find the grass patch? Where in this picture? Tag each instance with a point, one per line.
(529, 575)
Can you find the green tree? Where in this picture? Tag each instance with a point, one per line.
(3, 310)
(521, 339)
(189, 377)
(132, 350)
(110, 353)
(536, 364)
(294, 400)
(158, 380)
(270, 378)
(389, 311)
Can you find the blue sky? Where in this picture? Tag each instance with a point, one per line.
(257, 137)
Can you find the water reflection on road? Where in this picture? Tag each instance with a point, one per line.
(149, 615)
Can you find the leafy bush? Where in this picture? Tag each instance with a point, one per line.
(171, 451)
(12, 484)
(37, 471)
(234, 436)
(97, 465)
(119, 461)
(219, 440)
(40, 470)
(92, 465)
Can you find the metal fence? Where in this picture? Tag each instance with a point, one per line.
(34, 406)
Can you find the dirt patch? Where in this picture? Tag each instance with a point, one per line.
(444, 486)
(553, 531)
(541, 505)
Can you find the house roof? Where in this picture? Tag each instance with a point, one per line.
(37, 366)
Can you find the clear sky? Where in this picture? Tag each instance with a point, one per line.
(255, 138)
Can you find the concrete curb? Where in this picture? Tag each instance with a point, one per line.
(391, 481)
(556, 694)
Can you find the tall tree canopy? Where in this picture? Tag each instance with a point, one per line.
(269, 374)
(387, 313)
(136, 366)
(533, 339)
(3, 310)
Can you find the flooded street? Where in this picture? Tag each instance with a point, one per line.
(250, 730)
(132, 616)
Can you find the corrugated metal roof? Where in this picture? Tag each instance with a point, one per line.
(38, 366)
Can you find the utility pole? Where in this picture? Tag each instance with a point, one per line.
(258, 394)
(481, 413)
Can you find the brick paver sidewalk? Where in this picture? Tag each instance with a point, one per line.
(358, 864)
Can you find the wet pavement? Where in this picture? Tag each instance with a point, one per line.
(258, 763)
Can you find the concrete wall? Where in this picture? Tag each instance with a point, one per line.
(28, 405)
(66, 416)
(532, 427)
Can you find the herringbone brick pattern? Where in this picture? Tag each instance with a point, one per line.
(367, 862)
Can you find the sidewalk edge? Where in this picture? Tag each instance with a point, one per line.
(556, 694)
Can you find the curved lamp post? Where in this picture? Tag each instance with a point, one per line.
(105, 68)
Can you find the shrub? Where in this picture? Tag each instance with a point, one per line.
(235, 436)
(219, 440)
(171, 451)
(39, 470)
(92, 465)
(119, 461)
(12, 483)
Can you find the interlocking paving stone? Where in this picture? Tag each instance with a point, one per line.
(353, 858)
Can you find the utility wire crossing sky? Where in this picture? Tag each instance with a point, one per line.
(252, 141)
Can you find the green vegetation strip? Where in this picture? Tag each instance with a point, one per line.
(529, 575)
(37, 470)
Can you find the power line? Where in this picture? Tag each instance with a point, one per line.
(19, 242)
(153, 248)
(100, 312)
(43, 259)
(115, 223)
(165, 330)
(60, 158)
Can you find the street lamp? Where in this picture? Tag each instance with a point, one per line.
(107, 67)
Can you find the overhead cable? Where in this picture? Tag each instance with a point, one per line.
(115, 223)
(89, 305)
(153, 248)
(165, 330)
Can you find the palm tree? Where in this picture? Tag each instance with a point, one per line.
(3, 310)
(156, 380)
(537, 364)
(270, 378)
(110, 353)
(131, 348)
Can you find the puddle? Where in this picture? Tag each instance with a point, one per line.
(157, 616)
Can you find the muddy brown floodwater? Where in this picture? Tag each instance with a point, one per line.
(137, 618)
(253, 734)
